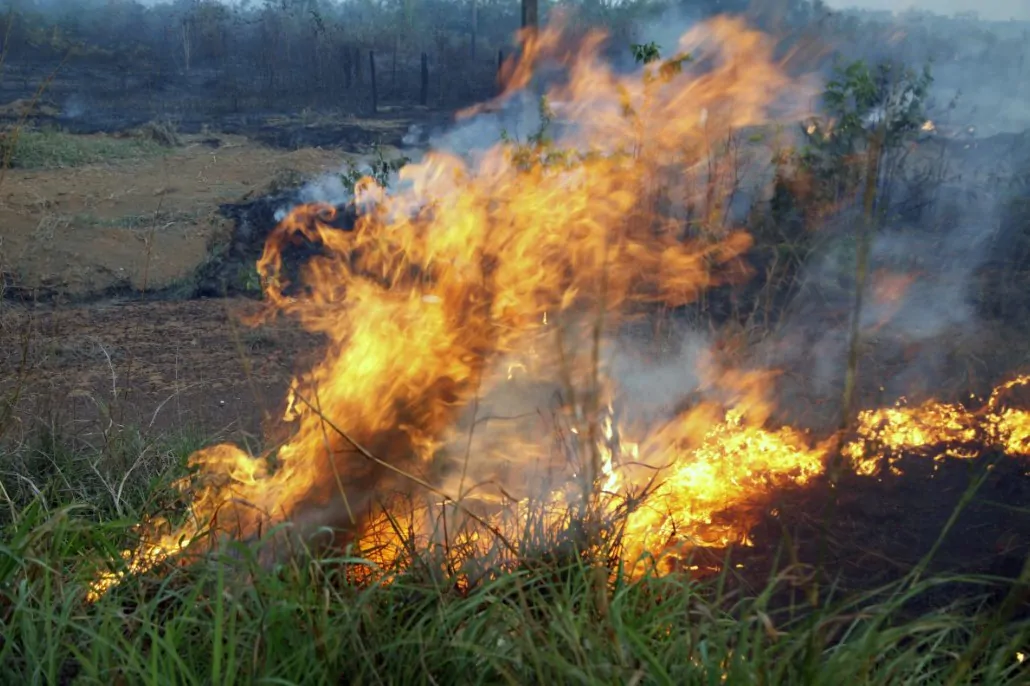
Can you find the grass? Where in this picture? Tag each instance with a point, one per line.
(230, 618)
(57, 150)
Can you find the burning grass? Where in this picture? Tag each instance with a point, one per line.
(229, 618)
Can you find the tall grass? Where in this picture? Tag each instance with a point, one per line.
(230, 616)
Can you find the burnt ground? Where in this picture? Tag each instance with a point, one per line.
(331, 128)
(869, 531)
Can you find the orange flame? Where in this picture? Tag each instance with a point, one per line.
(469, 319)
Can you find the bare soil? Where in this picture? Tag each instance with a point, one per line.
(155, 365)
(144, 223)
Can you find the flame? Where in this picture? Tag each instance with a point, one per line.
(884, 434)
(469, 317)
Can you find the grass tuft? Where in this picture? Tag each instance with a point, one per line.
(29, 149)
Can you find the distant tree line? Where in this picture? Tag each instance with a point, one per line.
(255, 51)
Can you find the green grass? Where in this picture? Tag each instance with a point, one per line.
(56, 149)
(228, 618)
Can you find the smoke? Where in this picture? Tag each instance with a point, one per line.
(918, 307)
(518, 432)
(919, 316)
(981, 68)
(997, 10)
(665, 30)
(653, 383)
(516, 118)
(75, 107)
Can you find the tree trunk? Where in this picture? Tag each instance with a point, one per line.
(393, 75)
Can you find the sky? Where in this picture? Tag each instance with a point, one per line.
(988, 9)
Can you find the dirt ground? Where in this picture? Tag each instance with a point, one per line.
(144, 222)
(176, 365)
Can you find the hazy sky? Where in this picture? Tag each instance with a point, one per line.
(988, 9)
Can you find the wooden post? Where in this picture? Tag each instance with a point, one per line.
(530, 19)
(500, 69)
(530, 16)
(474, 29)
(372, 71)
(393, 75)
(347, 68)
(423, 96)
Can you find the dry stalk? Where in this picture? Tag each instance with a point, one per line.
(864, 240)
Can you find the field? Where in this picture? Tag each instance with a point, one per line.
(517, 416)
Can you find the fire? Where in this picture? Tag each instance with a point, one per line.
(470, 317)
(886, 433)
(734, 464)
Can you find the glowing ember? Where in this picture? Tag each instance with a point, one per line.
(485, 289)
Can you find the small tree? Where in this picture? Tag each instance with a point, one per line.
(860, 103)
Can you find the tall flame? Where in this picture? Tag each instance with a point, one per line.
(483, 283)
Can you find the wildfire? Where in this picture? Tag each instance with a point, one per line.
(470, 317)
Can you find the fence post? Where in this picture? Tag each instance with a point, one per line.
(530, 14)
(347, 67)
(474, 29)
(393, 67)
(372, 71)
(423, 96)
(500, 69)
